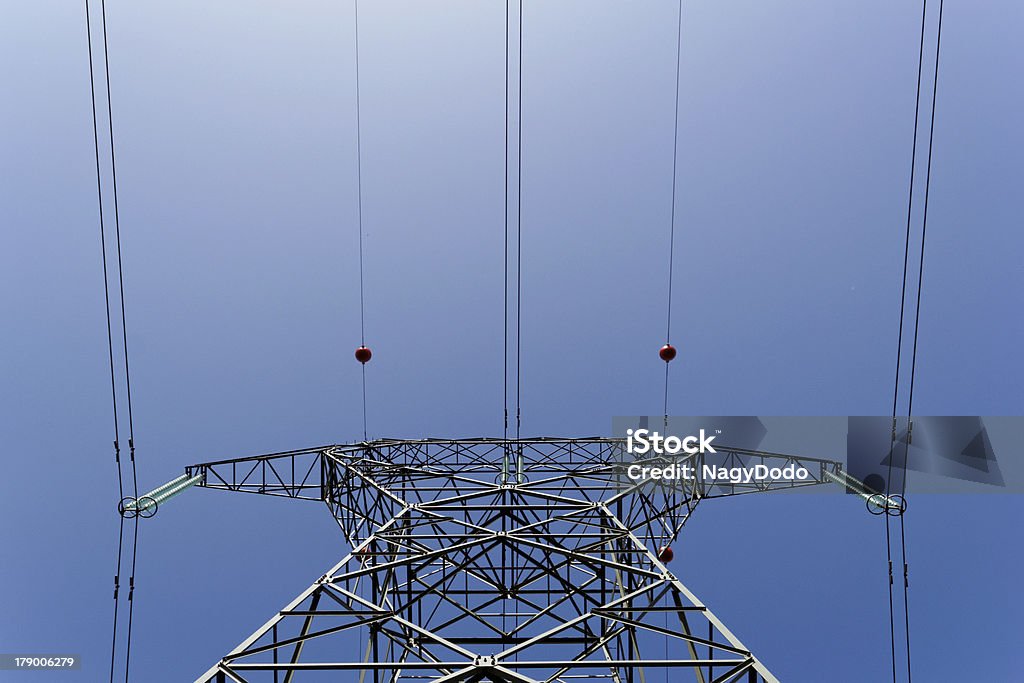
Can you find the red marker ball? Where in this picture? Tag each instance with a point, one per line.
(363, 354)
(667, 352)
(665, 554)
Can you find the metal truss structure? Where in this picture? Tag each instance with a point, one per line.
(494, 560)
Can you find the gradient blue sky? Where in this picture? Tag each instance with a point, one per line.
(235, 127)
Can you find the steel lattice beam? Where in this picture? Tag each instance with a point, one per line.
(492, 560)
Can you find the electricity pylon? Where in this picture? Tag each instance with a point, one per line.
(494, 560)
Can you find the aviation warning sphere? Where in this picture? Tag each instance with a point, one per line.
(363, 355)
(667, 352)
(665, 554)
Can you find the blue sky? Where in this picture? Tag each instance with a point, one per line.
(235, 132)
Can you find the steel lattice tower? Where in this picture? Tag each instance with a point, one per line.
(493, 560)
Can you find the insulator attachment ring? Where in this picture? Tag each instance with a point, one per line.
(130, 508)
(880, 504)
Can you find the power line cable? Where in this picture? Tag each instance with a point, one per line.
(117, 233)
(913, 362)
(910, 209)
(899, 339)
(124, 334)
(917, 328)
(672, 214)
(672, 234)
(505, 281)
(924, 219)
(359, 207)
(110, 334)
(519, 233)
(109, 322)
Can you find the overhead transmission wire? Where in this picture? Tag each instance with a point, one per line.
(124, 339)
(672, 235)
(110, 337)
(520, 475)
(505, 281)
(519, 233)
(506, 289)
(899, 339)
(924, 219)
(359, 226)
(672, 211)
(917, 320)
(110, 333)
(505, 454)
(519, 243)
(899, 351)
(359, 207)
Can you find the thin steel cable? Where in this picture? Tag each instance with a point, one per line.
(110, 336)
(117, 590)
(672, 240)
(917, 325)
(117, 233)
(899, 341)
(359, 205)
(124, 330)
(665, 411)
(672, 214)
(906, 589)
(892, 618)
(519, 235)
(103, 249)
(906, 253)
(675, 165)
(910, 209)
(924, 218)
(131, 598)
(508, 10)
